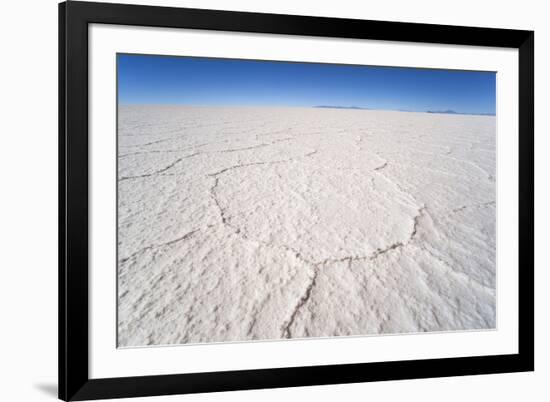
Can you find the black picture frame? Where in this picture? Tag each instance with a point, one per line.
(74, 381)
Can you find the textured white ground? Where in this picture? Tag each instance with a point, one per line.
(260, 223)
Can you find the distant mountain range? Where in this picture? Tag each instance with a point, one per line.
(454, 112)
(442, 111)
(341, 107)
(427, 111)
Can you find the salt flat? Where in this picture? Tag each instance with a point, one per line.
(240, 224)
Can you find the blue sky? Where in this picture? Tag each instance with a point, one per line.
(144, 79)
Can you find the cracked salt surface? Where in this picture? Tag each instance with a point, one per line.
(243, 224)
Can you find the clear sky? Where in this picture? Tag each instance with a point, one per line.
(146, 79)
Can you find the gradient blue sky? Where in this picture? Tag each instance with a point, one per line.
(144, 79)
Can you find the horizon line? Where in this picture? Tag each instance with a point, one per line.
(339, 107)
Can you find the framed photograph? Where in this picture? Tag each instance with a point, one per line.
(257, 201)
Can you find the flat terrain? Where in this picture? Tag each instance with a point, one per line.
(238, 224)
